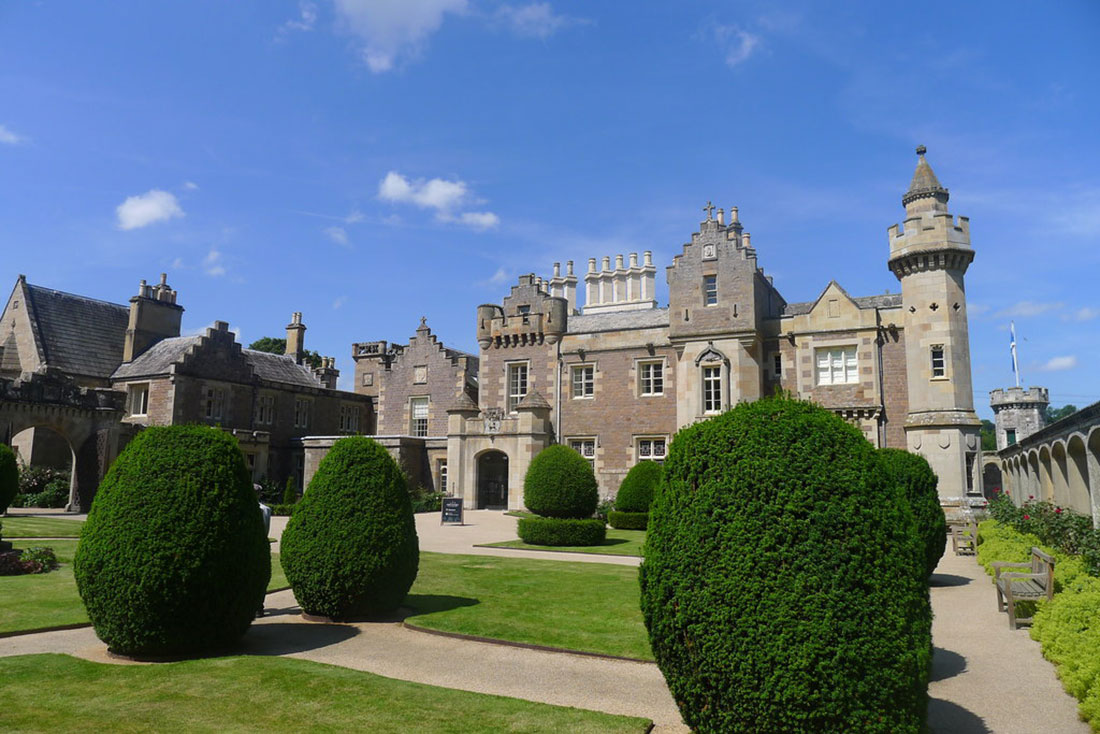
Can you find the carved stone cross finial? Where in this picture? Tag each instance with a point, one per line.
(423, 321)
(709, 209)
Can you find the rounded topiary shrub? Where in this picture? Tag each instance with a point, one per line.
(173, 559)
(562, 531)
(636, 492)
(9, 477)
(350, 549)
(778, 581)
(560, 483)
(628, 520)
(918, 484)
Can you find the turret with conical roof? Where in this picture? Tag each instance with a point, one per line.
(929, 254)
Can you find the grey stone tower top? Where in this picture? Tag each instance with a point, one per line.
(1018, 412)
(925, 185)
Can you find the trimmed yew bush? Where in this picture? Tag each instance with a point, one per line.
(9, 477)
(636, 492)
(350, 549)
(779, 581)
(628, 520)
(562, 531)
(173, 559)
(912, 474)
(560, 483)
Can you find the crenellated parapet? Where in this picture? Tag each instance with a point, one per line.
(528, 316)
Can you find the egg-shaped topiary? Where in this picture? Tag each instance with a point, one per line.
(9, 477)
(350, 549)
(173, 559)
(779, 578)
(918, 483)
(560, 483)
(636, 491)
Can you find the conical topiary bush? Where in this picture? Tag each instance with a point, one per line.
(173, 559)
(350, 549)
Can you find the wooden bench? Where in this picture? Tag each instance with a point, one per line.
(1015, 587)
(964, 539)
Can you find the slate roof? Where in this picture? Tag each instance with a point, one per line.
(886, 300)
(79, 335)
(642, 318)
(159, 358)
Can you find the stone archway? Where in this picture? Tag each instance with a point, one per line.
(492, 480)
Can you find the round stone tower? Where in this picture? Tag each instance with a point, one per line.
(929, 255)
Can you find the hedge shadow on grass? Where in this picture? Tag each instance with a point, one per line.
(417, 604)
(946, 664)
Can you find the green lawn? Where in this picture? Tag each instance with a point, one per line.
(53, 693)
(618, 543)
(580, 606)
(51, 600)
(39, 527)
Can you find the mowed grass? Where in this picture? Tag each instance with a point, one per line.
(592, 607)
(58, 693)
(16, 526)
(618, 543)
(50, 599)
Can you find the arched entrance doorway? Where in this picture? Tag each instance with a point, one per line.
(991, 479)
(492, 481)
(47, 463)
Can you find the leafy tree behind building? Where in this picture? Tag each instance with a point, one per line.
(275, 345)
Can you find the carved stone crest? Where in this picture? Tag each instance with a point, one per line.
(493, 418)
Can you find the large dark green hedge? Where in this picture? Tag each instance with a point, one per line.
(350, 549)
(562, 531)
(636, 492)
(779, 580)
(9, 477)
(560, 483)
(173, 558)
(918, 484)
(628, 520)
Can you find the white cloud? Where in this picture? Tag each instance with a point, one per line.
(500, 276)
(148, 208)
(1086, 314)
(306, 20)
(977, 309)
(212, 264)
(354, 217)
(392, 30)
(9, 138)
(1028, 308)
(178, 264)
(339, 302)
(738, 43)
(190, 186)
(339, 235)
(536, 20)
(1059, 363)
(440, 195)
(479, 220)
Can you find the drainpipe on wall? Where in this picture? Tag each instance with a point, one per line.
(880, 339)
(557, 396)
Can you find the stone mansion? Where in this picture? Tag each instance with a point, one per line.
(617, 376)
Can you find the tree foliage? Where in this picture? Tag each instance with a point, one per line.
(781, 581)
(9, 477)
(173, 558)
(277, 345)
(918, 483)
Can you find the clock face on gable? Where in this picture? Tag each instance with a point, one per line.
(710, 251)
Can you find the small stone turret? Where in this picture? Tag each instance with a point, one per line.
(1018, 413)
(154, 315)
(529, 316)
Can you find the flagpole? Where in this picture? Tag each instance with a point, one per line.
(1015, 360)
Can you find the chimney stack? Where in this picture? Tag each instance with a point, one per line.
(296, 337)
(154, 315)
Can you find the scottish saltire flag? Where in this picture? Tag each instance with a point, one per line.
(1012, 347)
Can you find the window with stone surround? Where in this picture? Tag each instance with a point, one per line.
(1010, 436)
(837, 366)
(712, 389)
(215, 403)
(586, 447)
(651, 448)
(265, 410)
(710, 290)
(777, 365)
(418, 414)
(301, 412)
(139, 399)
(349, 418)
(651, 378)
(442, 472)
(939, 363)
(517, 384)
(584, 381)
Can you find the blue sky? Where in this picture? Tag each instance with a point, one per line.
(368, 162)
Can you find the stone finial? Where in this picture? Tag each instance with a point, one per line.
(734, 215)
(423, 322)
(709, 209)
(921, 150)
